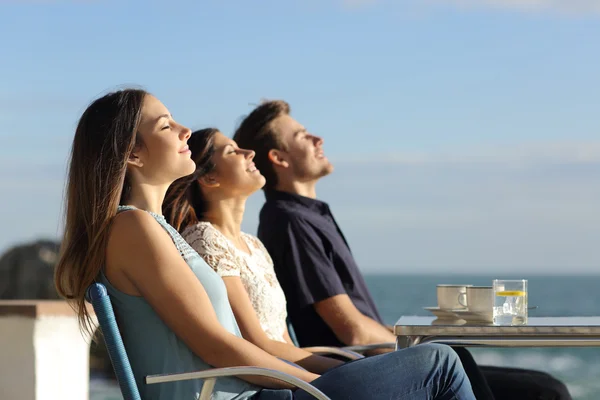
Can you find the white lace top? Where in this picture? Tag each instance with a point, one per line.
(255, 271)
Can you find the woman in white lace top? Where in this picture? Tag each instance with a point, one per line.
(208, 208)
(254, 269)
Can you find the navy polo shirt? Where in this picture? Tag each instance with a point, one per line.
(312, 261)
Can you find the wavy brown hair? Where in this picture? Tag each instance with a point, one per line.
(184, 203)
(97, 183)
(256, 132)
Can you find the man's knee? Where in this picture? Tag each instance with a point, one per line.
(551, 387)
(508, 382)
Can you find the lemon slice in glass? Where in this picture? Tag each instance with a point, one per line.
(516, 293)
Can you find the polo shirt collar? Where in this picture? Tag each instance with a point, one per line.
(306, 202)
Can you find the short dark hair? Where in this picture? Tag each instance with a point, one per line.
(256, 132)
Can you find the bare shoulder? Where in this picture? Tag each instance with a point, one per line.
(134, 227)
(132, 218)
(135, 237)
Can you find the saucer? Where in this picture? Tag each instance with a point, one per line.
(443, 313)
(448, 322)
(474, 316)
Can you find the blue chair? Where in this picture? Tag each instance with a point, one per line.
(98, 296)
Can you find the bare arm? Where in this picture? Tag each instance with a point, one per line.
(350, 326)
(141, 251)
(253, 332)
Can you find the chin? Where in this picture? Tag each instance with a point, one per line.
(328, 169)
(260, 182)
(263, 181)
(191, 168)
(257, 183)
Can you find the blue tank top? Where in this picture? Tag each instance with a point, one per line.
(153, 348)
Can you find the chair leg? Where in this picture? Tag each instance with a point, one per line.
(207, 389)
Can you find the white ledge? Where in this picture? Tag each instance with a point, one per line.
(43, 353)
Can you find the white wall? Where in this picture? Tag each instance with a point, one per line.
(44, 357)
(17, 358)
(62, 359)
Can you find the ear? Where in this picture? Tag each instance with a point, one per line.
(209, 181)
(277, 157)
(134, 159)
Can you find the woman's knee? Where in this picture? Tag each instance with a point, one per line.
(437, 352)
(423, 358)
(444, 350)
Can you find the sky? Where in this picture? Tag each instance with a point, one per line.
(464, 133)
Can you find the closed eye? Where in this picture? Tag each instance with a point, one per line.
(165, 127)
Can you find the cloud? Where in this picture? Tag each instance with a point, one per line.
(529, 207)
(472, 217)
(509, 155)
(51, 2)
(561, 6)
(533, 208)
(569, 6)
(358, 3)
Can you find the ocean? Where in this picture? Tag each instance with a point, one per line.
(397, 295)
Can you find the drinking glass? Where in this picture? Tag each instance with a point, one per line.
(510, 302)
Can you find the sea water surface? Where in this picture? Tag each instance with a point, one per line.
(397, 295)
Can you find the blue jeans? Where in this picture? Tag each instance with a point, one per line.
(424, 372)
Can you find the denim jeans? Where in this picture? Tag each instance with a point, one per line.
(424, 372)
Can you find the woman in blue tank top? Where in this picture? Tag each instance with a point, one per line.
(172, 308)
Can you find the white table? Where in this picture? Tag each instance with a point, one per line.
(539, 332)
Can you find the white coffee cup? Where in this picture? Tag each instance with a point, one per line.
(480, 300)
(452, 297)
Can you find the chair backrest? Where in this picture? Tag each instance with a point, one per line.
(98, 296)
(291, 331)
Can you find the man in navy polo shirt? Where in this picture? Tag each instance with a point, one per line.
(327, 298)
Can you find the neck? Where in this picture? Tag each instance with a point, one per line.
(226, 215)
(148, 197)
(306, 189)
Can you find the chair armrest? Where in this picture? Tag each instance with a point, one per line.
(211, 374)
(363, 348)
(324, 350)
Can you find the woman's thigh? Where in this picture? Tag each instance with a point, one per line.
(408, 373)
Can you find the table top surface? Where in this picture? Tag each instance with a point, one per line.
(536, 326)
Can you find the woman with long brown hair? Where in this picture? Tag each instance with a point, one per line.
(171, 307)
(256, 297)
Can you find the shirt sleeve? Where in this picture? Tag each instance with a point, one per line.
(214, 249)
(312, 273)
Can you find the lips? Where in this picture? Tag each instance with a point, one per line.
(185, 149)
(251, 168)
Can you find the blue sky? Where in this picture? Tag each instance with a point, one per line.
(464, 133)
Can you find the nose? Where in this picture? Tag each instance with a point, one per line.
(250, 154)
(186, 132)
(318, 140)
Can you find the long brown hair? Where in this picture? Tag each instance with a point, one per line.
(97, 183)
(184, 202)
(256, 132)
